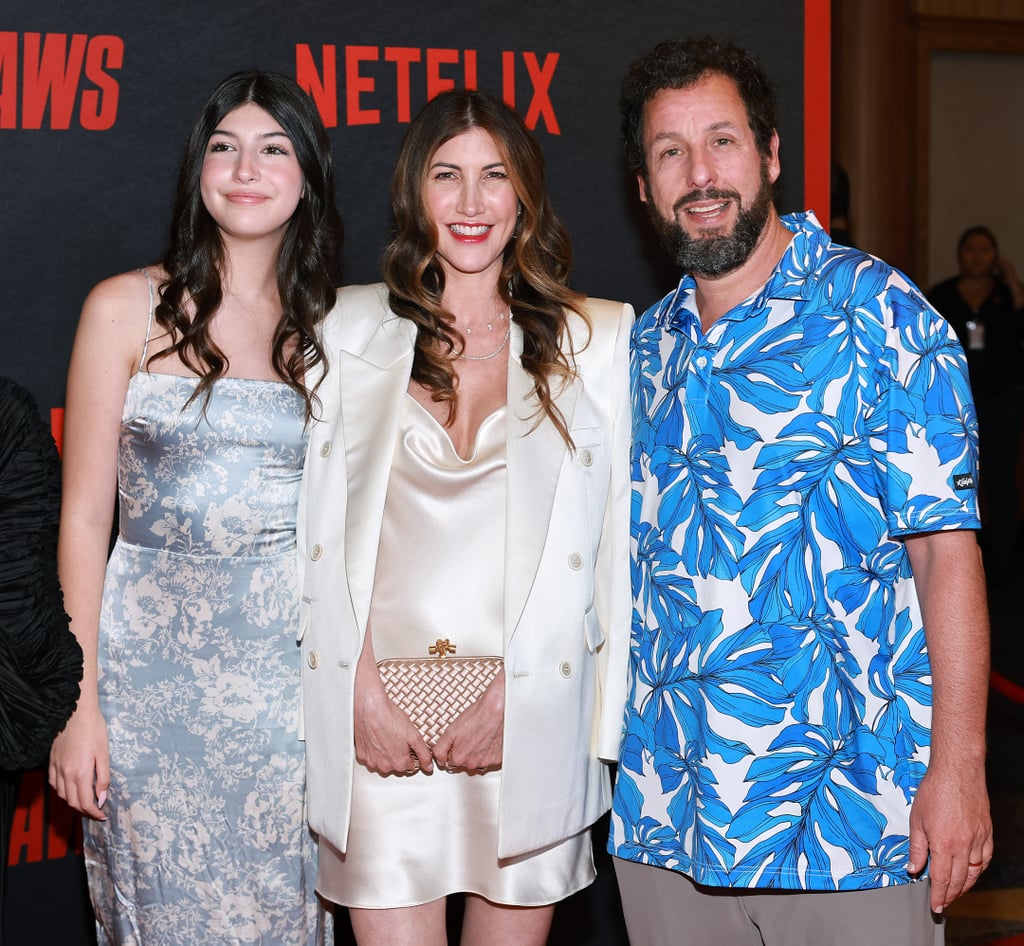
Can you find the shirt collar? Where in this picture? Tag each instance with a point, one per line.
(678, 310)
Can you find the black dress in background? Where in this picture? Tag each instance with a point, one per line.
(40, 660)
(991, 336)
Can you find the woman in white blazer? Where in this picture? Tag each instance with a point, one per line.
(467, 490)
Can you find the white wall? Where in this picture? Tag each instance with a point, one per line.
(976, 155)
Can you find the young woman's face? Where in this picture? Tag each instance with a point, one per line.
(251, 181)
(472, 203)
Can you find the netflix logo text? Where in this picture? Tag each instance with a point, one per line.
(44, 828)
(375, 75)
(67, 78)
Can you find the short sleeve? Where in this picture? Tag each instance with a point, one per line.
(930, 426)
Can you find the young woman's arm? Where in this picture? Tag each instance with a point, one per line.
(108, 344)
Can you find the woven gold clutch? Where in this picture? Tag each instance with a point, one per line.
(434, 691)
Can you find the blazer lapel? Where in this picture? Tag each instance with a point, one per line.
(534, 454)
(373, 383)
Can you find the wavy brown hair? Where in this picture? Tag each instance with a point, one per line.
(535, 271)
(308, 259)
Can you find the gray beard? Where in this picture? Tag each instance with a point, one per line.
(716, 255)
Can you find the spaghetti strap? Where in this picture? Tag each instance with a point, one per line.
(149, 324)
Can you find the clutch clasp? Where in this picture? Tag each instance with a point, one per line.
(441, 648)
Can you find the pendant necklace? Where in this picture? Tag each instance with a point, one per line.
(493, 354)
(500, 317)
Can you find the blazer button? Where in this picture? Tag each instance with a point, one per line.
(586, 458)
(325, 450)
(316, 552)
(313, 660)
(575, 561)
(565, 669)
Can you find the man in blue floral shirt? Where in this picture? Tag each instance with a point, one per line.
(803, 759)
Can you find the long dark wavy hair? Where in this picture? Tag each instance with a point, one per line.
(307, 262)
(535, 271)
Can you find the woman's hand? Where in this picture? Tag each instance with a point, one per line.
(476, 740)
(386, 741)
(80, 763)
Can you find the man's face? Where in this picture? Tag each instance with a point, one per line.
(707, 188)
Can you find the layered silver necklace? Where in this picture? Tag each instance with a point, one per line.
(500, 317)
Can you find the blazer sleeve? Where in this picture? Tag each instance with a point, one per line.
(612, 595)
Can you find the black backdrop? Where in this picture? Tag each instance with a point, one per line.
(96, 100)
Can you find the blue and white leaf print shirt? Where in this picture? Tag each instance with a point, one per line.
(780, 693)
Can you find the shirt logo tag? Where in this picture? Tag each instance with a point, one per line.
(962, 481)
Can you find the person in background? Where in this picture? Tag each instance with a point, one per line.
(40, 660)
(466, 494)
(805, 732)
(985, 305)
(187, 404)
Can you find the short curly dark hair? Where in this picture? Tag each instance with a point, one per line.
(682, 62)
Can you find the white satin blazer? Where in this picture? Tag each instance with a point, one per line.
(567, 585)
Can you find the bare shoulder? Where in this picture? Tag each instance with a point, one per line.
(123, 295)
(115, 314)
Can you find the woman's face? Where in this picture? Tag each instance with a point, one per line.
(977, 256)
(472, 203)
(251, 181)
